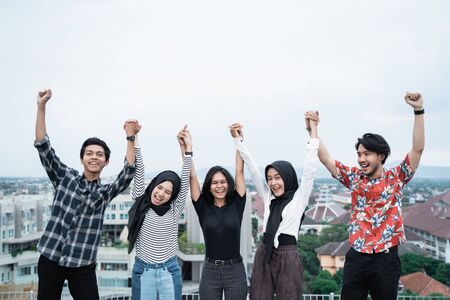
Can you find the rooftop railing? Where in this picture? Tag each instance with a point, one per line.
(127, 296)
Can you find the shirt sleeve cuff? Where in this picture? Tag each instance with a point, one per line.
(313, 143)
(45, 140)
(128, 165)
(238, 142)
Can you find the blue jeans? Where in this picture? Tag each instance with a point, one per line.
(150, 281)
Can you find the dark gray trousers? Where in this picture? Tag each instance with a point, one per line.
(227, 279)
(283, 275)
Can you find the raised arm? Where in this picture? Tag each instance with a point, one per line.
(236, 132)
(259, 182)
(139, 177)
(310, 165)
(324, 156)
(418, 141)
(185, 142)
(42, 99)
(131, 128)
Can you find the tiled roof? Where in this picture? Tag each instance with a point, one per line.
(411, 248)
(342, 219)
(412, 236)
(423, 284)
(309, 221)
(334, 248)
(321, 212)
(432, 216)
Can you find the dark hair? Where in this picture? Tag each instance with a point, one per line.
(375, 143)
(95, 141)
(206, 189)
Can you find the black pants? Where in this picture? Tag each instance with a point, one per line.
(377, 273)
(82, 281)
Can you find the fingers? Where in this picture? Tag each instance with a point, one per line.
(44, 96)
(412, 96)
(312, 115)
(236, 130)
(132, 126)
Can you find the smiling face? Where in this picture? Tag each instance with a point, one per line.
(275, 182)
(94, 160)
(370, 162)
(219, 186)
(161, 193)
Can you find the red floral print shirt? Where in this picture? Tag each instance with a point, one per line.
(376, 222)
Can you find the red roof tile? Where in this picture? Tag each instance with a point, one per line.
(423, 284)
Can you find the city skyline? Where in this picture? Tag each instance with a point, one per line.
(212, 64)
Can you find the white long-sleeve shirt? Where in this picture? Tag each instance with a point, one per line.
(292, 213)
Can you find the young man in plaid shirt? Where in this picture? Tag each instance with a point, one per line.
(376, 224)
(70, 241)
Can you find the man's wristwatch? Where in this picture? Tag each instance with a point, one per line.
(189, 153)
(419, 111)
(131, 138)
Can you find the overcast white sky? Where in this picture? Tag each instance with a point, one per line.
(210, 63)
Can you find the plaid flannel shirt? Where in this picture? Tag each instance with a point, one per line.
(72, 234)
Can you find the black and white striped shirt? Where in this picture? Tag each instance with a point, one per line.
(72, 234)
(157, 240)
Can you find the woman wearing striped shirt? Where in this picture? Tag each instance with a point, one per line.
(153, 227)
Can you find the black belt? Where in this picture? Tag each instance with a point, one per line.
(219, 262)
(283, 240)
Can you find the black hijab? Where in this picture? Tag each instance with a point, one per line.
(171, 176)
(277, 205)
(142, 204)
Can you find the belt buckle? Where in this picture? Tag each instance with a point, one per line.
(218, 262)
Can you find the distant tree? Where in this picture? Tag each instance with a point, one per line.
(412, 262)
(306, 245)
(254, 228)
(324, 284)
(409, 293)
(443, 273)
(338, 276)
(333, 233)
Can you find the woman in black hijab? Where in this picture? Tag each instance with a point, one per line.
(277, 267)
(153, 227)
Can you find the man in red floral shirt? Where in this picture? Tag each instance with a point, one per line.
(376, 224)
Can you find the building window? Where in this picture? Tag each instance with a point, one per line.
(113, 216)
(112, 206)
(113, 267)
(24, 271)
(113, 282)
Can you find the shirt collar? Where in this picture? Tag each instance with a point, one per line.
(382, 176)
(83, 178)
